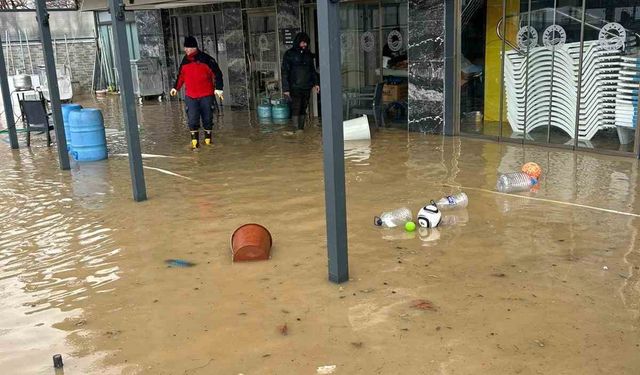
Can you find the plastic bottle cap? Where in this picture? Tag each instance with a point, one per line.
(377, 221)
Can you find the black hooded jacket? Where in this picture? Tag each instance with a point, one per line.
(298, 69)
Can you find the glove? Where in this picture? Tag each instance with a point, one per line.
(173, 92)
(220, 94)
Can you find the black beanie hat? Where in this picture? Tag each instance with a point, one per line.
(190, 42)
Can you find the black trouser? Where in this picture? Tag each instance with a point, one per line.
(299, 104)
(200, 108)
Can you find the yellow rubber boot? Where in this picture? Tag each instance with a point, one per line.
(195, 143)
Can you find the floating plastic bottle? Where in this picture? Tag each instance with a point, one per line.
(515, 182)
(451, 202)
(392, 219)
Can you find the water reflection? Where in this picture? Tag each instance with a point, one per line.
(454, 217)
(91, 183)
(52, 255)
(397, 234)
(357, 152)
(429, 236)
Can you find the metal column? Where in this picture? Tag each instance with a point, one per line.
(451, 70)
(52, 82)
(6, 100)
(332, 139)
(116, 8)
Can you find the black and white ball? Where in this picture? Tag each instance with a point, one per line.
(429, 216)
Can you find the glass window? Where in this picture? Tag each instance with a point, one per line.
(566, 80)
(609, 78)
(374, 57)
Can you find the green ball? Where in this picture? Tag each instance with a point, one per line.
(410, 226)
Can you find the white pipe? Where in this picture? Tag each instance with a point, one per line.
(66, 46)
(168, 173)
(26, 37)
(631, 214)
(24, 64)
(13, 66)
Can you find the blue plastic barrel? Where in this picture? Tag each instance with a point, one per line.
(66, 109)
(87, 132)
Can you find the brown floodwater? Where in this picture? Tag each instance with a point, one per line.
(537, 283)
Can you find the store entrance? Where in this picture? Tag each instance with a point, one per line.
(374, 59)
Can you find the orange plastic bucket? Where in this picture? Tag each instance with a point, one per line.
(251, 242)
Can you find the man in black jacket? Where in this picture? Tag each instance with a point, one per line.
(299, 76)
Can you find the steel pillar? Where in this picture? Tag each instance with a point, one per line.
(116, 8)
(332, 139)
(52, 82)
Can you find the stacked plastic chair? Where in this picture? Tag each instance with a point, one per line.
(626, 103)
(551, 88)
(598, 93)
(536, 84)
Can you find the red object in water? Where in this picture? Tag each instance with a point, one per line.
(251, 242)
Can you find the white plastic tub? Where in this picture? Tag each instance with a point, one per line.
(356, 129)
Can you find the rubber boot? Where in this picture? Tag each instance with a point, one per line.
(301, 122)
(294, 120)
(195, 139)
(207, 137)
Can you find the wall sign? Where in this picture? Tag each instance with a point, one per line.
(612, 36)
(367, 41)
(288, 35)
(263, 42)
(554, 36)
(527, 37)
(346, 41)
(394, 40)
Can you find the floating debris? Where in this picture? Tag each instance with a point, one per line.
(326, 370)
(283, 329)
(179, 263)
(423, 304)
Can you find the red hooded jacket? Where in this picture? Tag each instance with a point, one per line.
(200, 74)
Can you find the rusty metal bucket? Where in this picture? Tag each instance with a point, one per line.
(251, 242)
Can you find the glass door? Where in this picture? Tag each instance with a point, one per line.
(207, 29)
(479, 67)
(361, 52)
(610, 77)
(264, 56)
(108, 71)
(394, 36)
(552, 72)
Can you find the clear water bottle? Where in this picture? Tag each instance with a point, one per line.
(392, 219)
(451, 202)
(515, 182)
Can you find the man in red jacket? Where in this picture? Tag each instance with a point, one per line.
(202, 78)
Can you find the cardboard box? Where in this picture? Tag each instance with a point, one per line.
(394, 93)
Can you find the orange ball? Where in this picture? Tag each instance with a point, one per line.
(532, 169)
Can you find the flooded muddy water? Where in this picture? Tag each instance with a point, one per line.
(536, 283)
